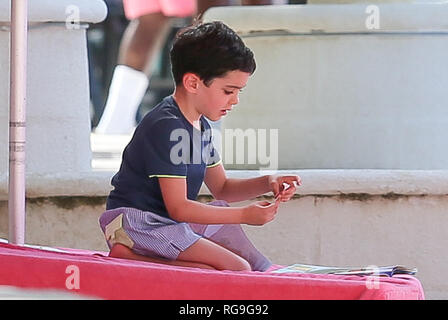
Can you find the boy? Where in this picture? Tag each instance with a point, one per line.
(152, 214)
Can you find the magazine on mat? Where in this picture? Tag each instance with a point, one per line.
(361, 271)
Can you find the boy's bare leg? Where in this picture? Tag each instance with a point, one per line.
(203, 254)
(233, 238)
(142, 40)
(123, 252)
(208, 252)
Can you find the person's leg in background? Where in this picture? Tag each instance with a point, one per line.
(142, 40)
(203, 5)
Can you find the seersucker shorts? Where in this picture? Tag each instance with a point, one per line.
(150, 234)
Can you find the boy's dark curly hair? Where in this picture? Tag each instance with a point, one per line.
(209, 50)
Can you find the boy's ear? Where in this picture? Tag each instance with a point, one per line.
(191, 82)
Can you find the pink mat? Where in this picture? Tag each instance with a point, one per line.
(111, 278)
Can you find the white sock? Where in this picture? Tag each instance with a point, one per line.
(126, 92)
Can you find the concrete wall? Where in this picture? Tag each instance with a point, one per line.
(67, 222)
(341, 95)
(57, 112)
(58, 121)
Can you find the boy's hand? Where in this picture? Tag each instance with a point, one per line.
(284, 187)
(260, 212)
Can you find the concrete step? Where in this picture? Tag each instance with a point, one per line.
(107, 150)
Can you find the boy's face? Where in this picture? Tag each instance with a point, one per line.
(220, 96)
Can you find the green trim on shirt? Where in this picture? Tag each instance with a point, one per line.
(166, 176)
(215, 164)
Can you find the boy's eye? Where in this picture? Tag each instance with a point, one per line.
(231, 92)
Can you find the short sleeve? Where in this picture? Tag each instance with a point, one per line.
(167, 148)
(211, 154)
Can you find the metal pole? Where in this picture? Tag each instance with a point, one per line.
(17, 122)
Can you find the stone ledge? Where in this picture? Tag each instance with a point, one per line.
(85, 184)
(315, 182)
(372, 182)
(90, 11)
(333, 18)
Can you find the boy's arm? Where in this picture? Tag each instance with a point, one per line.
(234, 190)
(181, 209)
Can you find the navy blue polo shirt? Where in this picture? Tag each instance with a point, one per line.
(164, 144)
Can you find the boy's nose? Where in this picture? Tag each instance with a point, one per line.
(235, 99)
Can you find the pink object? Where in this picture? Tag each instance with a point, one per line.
(112, 278)
(171, 8)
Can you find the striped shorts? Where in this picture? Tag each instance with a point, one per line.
(149, 234)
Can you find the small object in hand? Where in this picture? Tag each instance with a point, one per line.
(277, 198)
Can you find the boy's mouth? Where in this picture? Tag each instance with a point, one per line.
(225, 111)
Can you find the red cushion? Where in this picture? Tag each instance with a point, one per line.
(112, 278)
